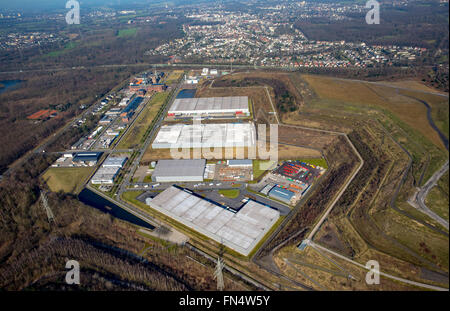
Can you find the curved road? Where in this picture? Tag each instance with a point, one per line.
(418, 200)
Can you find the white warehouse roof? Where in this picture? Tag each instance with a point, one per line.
(179, 170)
(206, 135)
(240, 231)
(105, 175)
(114, 162)
(210, 105)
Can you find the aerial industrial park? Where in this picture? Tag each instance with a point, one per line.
(240, 209)
(237, 145)
(185, 154)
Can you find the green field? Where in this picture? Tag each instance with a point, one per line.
(135, 134)
(67, 179)
(174, 76)
(257, 171)
(440, 117)
(126, 32)
(230, 193)
(69, 46)
(148, 178)
(437, 199)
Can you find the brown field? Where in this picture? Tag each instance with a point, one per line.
(67, 179)
(406, 109)
(173, 76)
(363, 225)
(284, 152)
(320, 269)
(304, 137)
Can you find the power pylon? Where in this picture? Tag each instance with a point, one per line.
(50, 216)
(218, 275)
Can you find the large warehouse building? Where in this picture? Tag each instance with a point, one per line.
(210, 107)
(240, 231)
(108, 171)
(205, 135)
(179, 170)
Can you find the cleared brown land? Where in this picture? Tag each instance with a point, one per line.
(284, 152)
(304, 137)
(321, 270)
(406, 109)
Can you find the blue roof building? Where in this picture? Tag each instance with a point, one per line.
(133, 104)
(281, 194)
(87, 157)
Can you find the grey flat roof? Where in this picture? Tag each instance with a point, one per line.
(206, 135)
(115, 161)
(183, 167)
(209, 103)
(240, 230)
(240, 162)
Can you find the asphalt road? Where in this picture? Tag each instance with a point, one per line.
(418, 200)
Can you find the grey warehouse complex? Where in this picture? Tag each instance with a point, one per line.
(240, 231)
(205, 135)
(211, 106)
(179, 170)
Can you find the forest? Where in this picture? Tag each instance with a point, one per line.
(99, 58)
(39, 90)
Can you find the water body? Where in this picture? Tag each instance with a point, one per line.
(9, 84)
(187, 93)
(92, 199)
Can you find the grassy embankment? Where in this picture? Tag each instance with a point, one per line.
(174, 76)
(230, 193)
(437, 199)
(67, 179)
(135, 135)
(404, 118)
